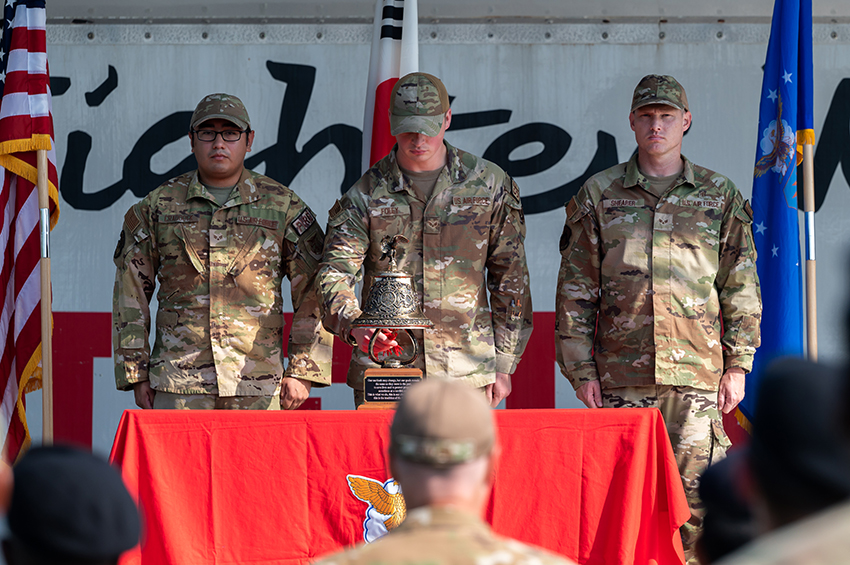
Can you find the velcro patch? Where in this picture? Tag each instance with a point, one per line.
(336, 210)
(177, 218)
(515, 191)
(432, 225)
(748, 209)
(303, 222)
(621, 202)
(471, 201)
(716, 204)
(132, 220)
(252, 221)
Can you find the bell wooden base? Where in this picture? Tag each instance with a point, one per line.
(383, 388)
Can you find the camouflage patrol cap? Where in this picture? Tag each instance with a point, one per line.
(419, 103)
(442, 423)
(659, 89)
(221, 106)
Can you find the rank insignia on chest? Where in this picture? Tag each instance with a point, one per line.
(432, 225)
(663, 222)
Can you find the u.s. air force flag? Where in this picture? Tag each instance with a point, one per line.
(785, 123)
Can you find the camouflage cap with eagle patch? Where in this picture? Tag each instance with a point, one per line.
(221, 106)
(442, 423)
(419, 104)
(659, 89)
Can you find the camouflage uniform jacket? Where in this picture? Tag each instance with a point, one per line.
(465, 242)
(443, 536)
(219, 327)
(645, 281)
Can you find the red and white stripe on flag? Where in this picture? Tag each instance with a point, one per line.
(26, 125)
(395, 53)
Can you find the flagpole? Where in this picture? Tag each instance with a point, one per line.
(811, 264)
(46, 302)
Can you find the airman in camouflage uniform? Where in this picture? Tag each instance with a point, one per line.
(219, 240)
(463, 218)
(658, 300)
(442, 455)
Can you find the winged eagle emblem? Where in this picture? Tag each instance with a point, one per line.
(386, 504)
(779, 144)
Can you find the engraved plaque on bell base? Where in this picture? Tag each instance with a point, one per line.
(383, 388)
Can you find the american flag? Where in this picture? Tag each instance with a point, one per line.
(26, 125)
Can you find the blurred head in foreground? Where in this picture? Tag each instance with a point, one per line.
(798, 456)
(68, 507)
(443, 446)
(729, 524)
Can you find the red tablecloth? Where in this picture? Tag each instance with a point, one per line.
(599, 486)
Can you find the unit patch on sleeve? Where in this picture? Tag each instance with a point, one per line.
(303, 222)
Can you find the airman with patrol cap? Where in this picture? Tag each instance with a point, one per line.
(219, 240)
(463, 218)
(658, 301)
(443, 450)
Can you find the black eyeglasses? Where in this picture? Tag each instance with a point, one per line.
(229, 135)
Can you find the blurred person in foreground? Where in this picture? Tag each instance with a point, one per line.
(729, 523)
(798, 467)
(68, 507)
(443, 452)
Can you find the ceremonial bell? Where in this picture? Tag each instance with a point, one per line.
(391, 304)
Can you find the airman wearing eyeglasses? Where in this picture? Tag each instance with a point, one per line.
(218, 241)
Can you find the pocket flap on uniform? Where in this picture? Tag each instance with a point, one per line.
(166, 318)
(271, 321)
(131, 337)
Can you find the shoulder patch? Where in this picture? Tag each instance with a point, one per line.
(565, 237)
(571, 208)
(336, 210)
(748, 209)
(515, 190)
(132, 220)
(304, 220)
(122, 239)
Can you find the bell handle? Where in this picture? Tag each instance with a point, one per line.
(398, 360)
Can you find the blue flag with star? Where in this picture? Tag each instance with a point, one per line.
(785, 123)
